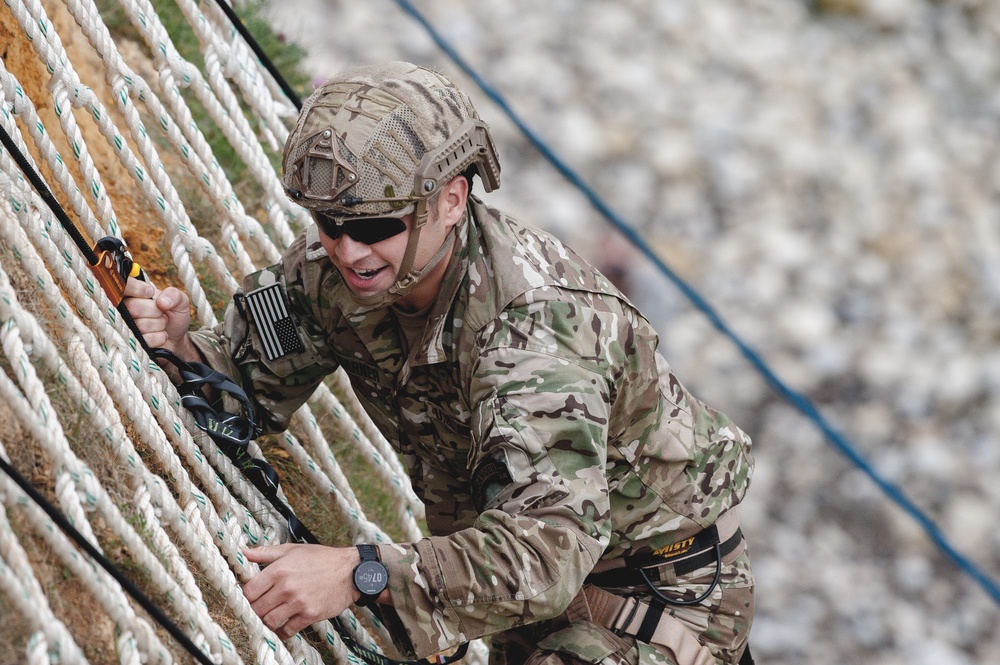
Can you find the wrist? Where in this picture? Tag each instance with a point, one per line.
(188, 351)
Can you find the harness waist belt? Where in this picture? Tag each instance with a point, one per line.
(644, 617)
(630, 576)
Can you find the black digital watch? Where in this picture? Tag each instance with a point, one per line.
(370, 576)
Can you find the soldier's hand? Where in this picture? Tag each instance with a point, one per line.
(302, 584)
(163, 317)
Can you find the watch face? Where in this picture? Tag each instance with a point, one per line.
(371, 578)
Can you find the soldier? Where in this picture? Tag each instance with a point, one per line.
(581, 502)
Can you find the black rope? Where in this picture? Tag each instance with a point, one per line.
(261, 55)
(796, 399)
(109, 567)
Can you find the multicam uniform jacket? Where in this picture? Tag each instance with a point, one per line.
(538, 423)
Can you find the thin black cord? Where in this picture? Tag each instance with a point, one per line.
(261, 55)
(109, 567)
(696, 601)
(36, 181)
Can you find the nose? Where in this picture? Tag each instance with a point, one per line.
(350, 250)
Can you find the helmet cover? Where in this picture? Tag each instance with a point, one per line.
(374, 139)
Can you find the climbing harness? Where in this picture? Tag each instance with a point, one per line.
(704, 548)
(642, 618)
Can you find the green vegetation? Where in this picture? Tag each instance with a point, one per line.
(848, 7)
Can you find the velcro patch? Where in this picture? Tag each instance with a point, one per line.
(275, 326)
(489, 478)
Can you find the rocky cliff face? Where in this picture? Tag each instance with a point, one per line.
(827, 174)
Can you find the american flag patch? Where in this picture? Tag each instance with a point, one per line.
(274, 325)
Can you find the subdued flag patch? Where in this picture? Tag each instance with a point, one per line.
(275, 326)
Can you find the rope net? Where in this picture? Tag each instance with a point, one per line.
(119, 128)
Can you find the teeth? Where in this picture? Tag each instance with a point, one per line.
(366, 274)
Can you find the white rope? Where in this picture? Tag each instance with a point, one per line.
(78, 481)
(98, 583)
(195, 508)
(205, 170)
(120, 353)
(22, 589)
(372, 443)
(228, 537)
(35, 411)
(220, 103)
(150, 177)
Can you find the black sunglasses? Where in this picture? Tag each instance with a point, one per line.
(367, 231)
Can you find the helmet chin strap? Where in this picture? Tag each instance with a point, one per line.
(407, 278)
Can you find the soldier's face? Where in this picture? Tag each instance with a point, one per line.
(371, 269)
(368, 269)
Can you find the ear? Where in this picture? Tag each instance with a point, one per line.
(452, 200)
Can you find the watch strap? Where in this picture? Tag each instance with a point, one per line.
(368, 552)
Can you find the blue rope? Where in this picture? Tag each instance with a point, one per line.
(798, 400)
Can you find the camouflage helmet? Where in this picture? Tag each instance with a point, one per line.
(378, 138)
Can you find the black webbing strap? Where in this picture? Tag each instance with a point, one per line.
(223, 426)
(231, 432)
(375, 658)
(651, 620)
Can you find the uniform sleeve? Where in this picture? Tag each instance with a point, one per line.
(542, 404)
(271, 341)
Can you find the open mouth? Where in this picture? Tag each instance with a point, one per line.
(368, 274)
